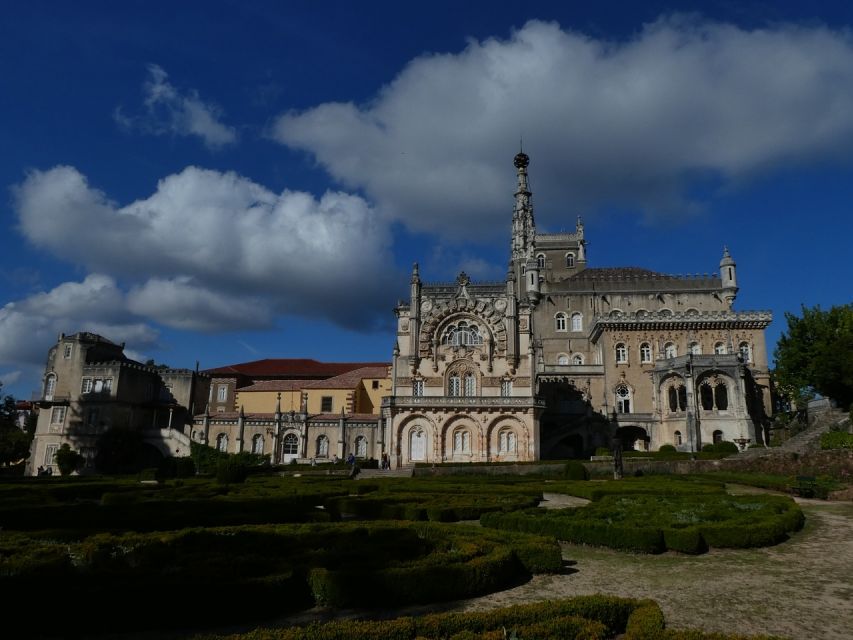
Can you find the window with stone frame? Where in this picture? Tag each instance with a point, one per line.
(461, 441)
(506, 388)
(507, 441)
(577, 359)
(560, 321)
(417, 388)
(86, 385)
(50, 454)
(454, 385)
(57, 415)
(623, 399)
(645, 353)
(67, 352)
(462, 333)
(562, 359)
(677, 398)
(290, 444)
(745, 351)
(470, 385)
(326, 405)
(49, 386)
(677, 438)
(694, 348)
(621, 353)
(577, 322)
(713, 395)
(570, 260)
(222, 442)
(222, 393)
(670, 350)
(720, 349)
(540, 261)
(257, 444)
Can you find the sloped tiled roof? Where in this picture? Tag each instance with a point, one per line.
(350, 379)
(291, 368)
(612, 273)
(322, 417)
(276, 385)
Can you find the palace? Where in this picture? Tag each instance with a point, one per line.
(561, 357)
(555, 361)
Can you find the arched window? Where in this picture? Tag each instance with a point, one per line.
(49, 387)
(258, 444)
(745, 351)
(417, 445)
(454, 385)
(562, 359)
(677, 397)
(717, 436)
(361, 447)
(322, 447)
(694, 348)
(721, 397)
(720, 349)
(570, 260)
(673, 399)
(706, 396)
(670, 350)
(222, 442)
(621, 353)
(290, 446)
(540, 261)
(461, 441)
(470, 385)
(462, 334)
(677, 438)
(623, 399)
(560, 320)
(577, 322)
(507, 441)
(577, 359)
(682, 398)
(645, 353)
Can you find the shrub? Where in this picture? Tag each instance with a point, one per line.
(724, 446)
(836, 440)
(708, 447)
(575, 470)
(667, 447)
(68, 460)
(231, 471)
(602, 451)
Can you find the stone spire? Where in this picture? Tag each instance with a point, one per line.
(523, 226)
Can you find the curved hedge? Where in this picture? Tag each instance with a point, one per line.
(436, 507)
(596, 617)
(654, 524)
(265, 568)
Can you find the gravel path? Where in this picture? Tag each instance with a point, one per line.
(802, 588)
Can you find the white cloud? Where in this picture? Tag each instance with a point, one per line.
(627, 123)
(168, 111)
(10, 377)
(30, 326)
(216, 251)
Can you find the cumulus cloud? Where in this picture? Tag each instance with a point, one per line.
(168, 111)
(28, 327)
(631, 123)
(215, 251)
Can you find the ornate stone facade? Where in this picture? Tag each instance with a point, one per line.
(560, 358)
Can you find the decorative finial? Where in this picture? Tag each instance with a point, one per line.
(521, 160)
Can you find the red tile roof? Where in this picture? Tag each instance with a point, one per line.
(234, 415)
(291, 368)
(351, 379)
(276, 385)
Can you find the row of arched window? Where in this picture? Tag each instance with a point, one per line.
(563, 359)
(257, 443)
(462, 334)
(570, 260)
(290, 445)
(670, 350)
(461, 443)
(717, 436)
(562, 322)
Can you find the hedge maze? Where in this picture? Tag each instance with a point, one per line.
(277, 545)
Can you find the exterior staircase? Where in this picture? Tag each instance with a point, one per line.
(805, 441)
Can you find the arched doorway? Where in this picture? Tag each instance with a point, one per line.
(633, 438)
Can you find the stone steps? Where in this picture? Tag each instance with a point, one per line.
(402, 472)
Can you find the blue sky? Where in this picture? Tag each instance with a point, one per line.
(227, 181)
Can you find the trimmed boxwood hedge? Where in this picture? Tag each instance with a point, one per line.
(653, 524)
(265, 568)
(595, 617)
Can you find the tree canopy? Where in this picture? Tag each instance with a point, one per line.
(14, 443)
(815, 355)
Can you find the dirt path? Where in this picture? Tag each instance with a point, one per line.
(802, 588)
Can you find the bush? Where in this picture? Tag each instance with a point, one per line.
(68, 460)
(575, 470)
(724, 446)
(232, 470)
(708, 447)
(836, 440)
(667, 447)
(602, 451)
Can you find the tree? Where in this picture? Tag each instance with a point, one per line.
(68, 460)
(815, 355)
(14, 443)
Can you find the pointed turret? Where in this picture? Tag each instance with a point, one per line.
(523, 225)
(728, 276)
